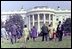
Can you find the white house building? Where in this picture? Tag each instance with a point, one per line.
(40, 15)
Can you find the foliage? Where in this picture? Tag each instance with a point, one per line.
(14, 19)
(67, 25)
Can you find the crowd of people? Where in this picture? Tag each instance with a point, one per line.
(15, 33)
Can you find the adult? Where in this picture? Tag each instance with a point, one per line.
(44, 32)
(34, 33)
(25, 33)
(19, 32)
(3, 32)
(13, 33)
(59, 31)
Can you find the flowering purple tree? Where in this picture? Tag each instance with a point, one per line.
(14, 19)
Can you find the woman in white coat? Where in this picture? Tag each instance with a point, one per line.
(3, 32)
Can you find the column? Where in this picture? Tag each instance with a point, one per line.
(29, 22)
(54, 20)
(33, 19)
(49, 19)
(44, 19)
(38, 23)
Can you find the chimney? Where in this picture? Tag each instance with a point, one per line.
(58, 7)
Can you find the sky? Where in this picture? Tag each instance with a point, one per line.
(16, 5)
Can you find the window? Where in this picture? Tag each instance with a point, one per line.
(41, 24)
(51, 16)
(63, 19)
(41, 16)
(31, 24)
(57, 19)
(36, 25)
(30, 17)
(47, 16)
(51, 23)
(47, 23)
(35, 17)
(56, 16)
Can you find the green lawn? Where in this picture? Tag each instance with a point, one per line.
(66, 43)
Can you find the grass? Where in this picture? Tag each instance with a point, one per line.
(66, 43)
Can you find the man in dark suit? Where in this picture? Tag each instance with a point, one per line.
(44, 32)
(60, 31)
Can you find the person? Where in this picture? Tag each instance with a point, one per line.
(13, 33)
(18, 31)
(44, 32)
(30, 33)
(50, 32)
(8, 29)
(25, 33)
(59, 31)
(54, 34)
(34, 33)
(3, 33)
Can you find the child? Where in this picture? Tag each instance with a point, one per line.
(54, 34)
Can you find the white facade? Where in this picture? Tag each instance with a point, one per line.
(41, 15)
(5, 15)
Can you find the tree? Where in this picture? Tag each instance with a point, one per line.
(67, 25)
(16, 18)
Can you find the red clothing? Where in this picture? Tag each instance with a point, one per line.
(54, 34)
